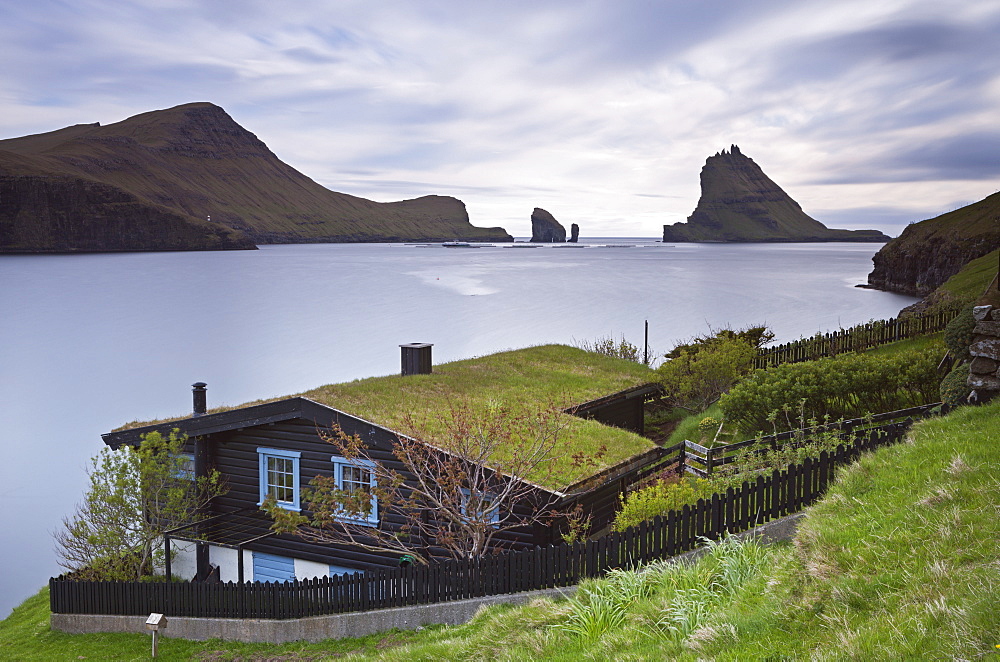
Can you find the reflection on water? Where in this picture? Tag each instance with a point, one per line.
(90, 342)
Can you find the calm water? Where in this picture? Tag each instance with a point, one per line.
(89, 342)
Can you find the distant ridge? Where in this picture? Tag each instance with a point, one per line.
(740, 203)
(928, 253)
(152, 181)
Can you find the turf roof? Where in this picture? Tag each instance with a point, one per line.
(556, 376)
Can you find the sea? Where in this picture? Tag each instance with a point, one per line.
(90, 342)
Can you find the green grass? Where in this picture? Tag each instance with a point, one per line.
(688, 428)
(916, 344)
(899, 561)
(970, 283)
(25, 635)
(547, 376)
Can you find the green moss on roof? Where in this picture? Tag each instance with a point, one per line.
(556, 376)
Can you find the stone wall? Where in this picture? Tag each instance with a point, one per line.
(984, 372)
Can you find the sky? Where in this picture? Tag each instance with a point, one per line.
(869, 114)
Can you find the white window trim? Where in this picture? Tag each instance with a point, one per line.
(262, 455)
(339, 463)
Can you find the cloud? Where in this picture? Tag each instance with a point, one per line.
(966, 156)
(602, 112)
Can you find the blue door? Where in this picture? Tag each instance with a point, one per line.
(271, 568)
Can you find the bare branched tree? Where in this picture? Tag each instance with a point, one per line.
(456, 495)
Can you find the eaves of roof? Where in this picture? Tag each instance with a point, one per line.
(237, 419)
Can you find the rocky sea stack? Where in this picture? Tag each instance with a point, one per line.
(545, 228)
(190, 178)
(740, 203)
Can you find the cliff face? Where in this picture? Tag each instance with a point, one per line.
(66, 214)
(545, 228)
(740, 203)
(928, 253)
(193, 162)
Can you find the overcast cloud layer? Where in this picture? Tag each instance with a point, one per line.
(870, 115)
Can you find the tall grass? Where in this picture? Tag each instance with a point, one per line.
(675, 598)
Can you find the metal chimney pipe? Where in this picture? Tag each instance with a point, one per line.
(200, 398)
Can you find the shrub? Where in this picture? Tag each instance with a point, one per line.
(135, 494)
(697, 377)
(760, 460)
(832, 388)
(608, 346)
(755, 336)
(955, 387)
(659, 499)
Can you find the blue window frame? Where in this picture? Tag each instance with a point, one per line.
(486, 508)
(353, 476)
(184, 469)
(278, 473)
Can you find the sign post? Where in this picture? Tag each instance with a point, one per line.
(156, 622)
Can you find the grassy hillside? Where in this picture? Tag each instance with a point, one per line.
(45, 208)
(969, 286)
(898, 562)
(196, 161)
(932, 251)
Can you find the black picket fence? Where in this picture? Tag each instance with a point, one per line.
(856, 339)
(702, 461)
(755, 502)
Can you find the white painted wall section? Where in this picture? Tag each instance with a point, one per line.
(184, 563)
(310, 569)
(228, 561)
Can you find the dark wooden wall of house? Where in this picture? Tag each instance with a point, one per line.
(235, 455)
(626, 413)
(602, 502)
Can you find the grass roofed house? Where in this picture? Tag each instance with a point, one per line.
(276, 447)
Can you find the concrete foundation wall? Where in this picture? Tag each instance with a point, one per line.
(316, 628)
(358, 624)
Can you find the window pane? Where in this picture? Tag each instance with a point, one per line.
(280, 478)
(355, 478)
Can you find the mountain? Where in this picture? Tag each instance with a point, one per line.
(740, 203)
(186, 178)
(928, 253)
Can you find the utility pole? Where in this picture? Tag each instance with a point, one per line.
(645, 351)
